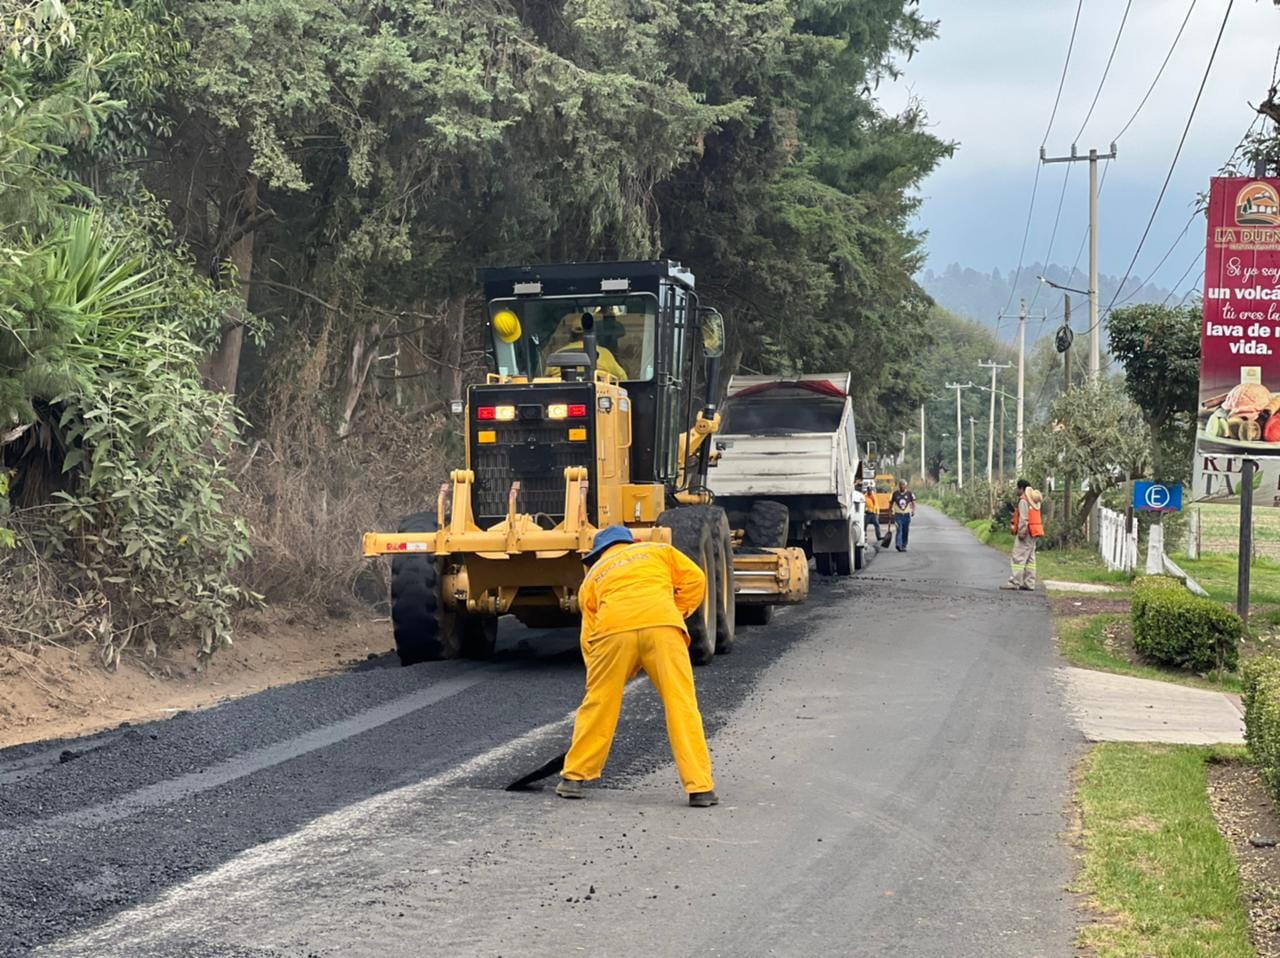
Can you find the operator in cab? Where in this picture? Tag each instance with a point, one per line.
(605, 359)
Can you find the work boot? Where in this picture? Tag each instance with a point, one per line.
(703, 799)
(1011, 587)
(570, 788)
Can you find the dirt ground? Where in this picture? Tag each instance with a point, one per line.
(1245, 811)
(54, 691)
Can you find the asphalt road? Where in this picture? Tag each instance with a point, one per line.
(893, 760)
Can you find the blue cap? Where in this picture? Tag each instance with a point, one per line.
(612, 536)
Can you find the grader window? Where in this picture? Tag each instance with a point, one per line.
(625, 328)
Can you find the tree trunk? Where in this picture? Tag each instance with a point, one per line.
(1156, 464)
(223, 369)
(457, 312)
(364, 350)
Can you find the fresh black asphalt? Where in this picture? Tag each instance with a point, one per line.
(92, 829)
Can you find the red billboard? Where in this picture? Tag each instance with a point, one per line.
(1240, 330)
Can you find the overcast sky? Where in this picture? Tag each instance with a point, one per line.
(989, 80)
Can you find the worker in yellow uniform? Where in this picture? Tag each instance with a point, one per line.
(605, 360)
(634, 600)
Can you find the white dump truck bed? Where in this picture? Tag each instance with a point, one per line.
(804, 464)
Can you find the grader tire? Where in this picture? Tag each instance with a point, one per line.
(417, 615)
(694, 532)
(478, 636)
(726, 607)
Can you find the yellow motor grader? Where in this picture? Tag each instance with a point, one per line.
(587, 418)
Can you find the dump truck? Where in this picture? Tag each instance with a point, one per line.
(597, 410)
(789, 470)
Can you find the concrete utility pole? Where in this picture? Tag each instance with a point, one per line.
(1066, 388)
(973, 471)
(959, 433)
(924, 470)
(991, 421)
(1095, 331)
(1002, 437)
(1023, 316)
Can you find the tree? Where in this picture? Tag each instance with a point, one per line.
(1094, 437)
(1159, 347)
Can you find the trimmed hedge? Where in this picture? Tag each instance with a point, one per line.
(1174, 627)
(1261, 680)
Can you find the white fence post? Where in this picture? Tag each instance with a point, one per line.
(1119, 549)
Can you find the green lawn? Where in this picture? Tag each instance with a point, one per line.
(1220, 530)
(1069, 565)
(1155, 870)
(1105, 643)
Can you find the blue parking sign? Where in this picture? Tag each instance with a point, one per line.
(1157, 496)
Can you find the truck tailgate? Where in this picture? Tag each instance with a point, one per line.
(800, 464)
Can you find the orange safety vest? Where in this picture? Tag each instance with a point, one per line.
(1035, 525)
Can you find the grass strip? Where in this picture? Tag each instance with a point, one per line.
(1158, 876)
(1083, 641)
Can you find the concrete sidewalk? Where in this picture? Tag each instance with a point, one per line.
(1119, 708)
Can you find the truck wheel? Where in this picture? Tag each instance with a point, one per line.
(768, 525)
(859, 557)
(843, 561)
(726, 608)
(418, 617)
(825, 563)
(693, 532)
(478, 636)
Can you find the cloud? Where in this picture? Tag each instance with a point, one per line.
(989, 82)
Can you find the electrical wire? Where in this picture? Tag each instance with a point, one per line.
(1053, 234)
(1159, 73)
(1106, 70)
(1176, 156)
(1163, 259)
(1035, 183)
(1185, 273)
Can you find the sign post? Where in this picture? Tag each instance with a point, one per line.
(1239, 415)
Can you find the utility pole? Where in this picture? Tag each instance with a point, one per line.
(959, 433)
(1002, 437)
(1095, 332)
(1023, 316)
(991, 421)
(924, 470)
(972, 468)
(1066, 388)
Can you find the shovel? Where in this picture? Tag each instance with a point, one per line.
(525, 783)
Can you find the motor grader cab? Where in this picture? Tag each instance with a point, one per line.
(596, 411)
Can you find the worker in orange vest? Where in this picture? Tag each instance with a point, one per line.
(1027, 528)
(634, 602)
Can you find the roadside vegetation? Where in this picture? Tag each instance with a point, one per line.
(239, 244)
(1155, 870)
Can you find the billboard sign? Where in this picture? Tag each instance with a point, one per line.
(1239, 414)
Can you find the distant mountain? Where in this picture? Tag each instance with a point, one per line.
(981, 296)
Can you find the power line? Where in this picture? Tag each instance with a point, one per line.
(1163, 259)
(1106, 70)
(1177, 154)
(1159, 73)
(1053, 234)
(1185, 273)
(1063, 80)
(1035, 183)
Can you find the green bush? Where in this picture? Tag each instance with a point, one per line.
(1173, 627)
(1261, 681)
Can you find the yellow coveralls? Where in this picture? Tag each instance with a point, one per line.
(634, 602)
